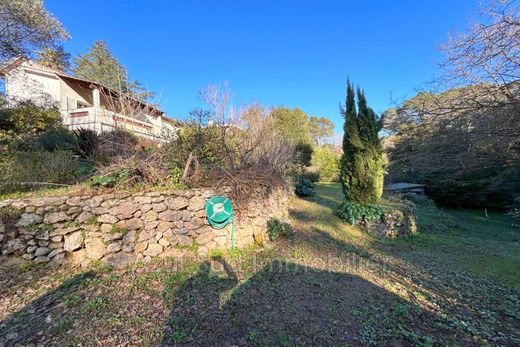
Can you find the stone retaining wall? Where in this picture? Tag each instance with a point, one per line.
(122, 228)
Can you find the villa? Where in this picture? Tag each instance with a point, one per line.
(83, 104)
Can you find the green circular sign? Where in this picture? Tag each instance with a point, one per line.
(218, 211)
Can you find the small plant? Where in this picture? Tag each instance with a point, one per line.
(357, 213)
(277, 229)
(93, 220)
(111, 179)
(304, 187)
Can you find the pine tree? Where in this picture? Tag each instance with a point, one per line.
(362, 164)
(99, 65)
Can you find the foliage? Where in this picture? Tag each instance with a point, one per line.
(291, 124)
(99, 65)
(362, 163)
(326, 162)
(21, 171)
(277, 229)
(111, 179)
(87, 142)
(320, 128)
(57, 139)
(25, 26)
(55, 58)
(303, 154)
(303, 187)
(471, 166)
(359, 213)
(26, 121)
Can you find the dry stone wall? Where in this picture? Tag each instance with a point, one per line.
(122, 228)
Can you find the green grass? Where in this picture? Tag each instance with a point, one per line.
(453, 283)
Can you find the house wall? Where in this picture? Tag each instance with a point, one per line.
(74, 91)
(29, 82)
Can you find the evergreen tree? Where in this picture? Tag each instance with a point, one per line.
(99, 65)
(55, 58)
(362, 164)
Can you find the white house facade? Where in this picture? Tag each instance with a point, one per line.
(83, 104)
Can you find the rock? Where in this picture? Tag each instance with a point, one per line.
(160, 207)
(55, 252)
(182, 231)
(205, 238)
(145, 208)
(57, 238)
(58, 259)
(163, 226)
(43, 243)
(141, 247)
(114, 247)
(125, 210)
(108, 219)
(27, 219)
(41, 251)
(73, 241)
(28, 256)
(202, 251)
(173, 253)
(152, 225)
(95, 201)
(106, 228)
(84, 217)
(186, 215)
(196, 203)
(75, 201)
(31, 249)
(153, 250)
(55, 217)
(14, 246)
(183, 240)
(119, 260)
(74, 209)
(164, 242)
(170, 216)
(130, 224)
(95, 248)
(78, 257)
(56, 245)
(141, 200)
(150, 216)
(42, 259)
(42, 235)
(177, 203)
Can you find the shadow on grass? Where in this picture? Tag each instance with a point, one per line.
(289, 304)
(27, 325)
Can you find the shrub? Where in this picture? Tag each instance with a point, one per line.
(87, 142)
(303, 187)
(57, 139)
(358, 213)
(111, 179)
(27, 170)
(419, 200)
(277, 229)
(326, 163)
(303, 154)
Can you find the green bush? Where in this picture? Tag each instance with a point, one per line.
(110, 179)
(326, 163)
(303, 187)
(277, 229)
(419, 200)
(358, 213)
(20, 171)
(57, 139)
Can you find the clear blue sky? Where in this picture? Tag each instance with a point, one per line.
(276, 52)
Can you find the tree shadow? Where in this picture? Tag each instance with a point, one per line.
(286, 304)
(27, 325)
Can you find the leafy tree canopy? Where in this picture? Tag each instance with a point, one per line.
(26, 26)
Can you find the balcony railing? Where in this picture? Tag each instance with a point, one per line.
(101, 120)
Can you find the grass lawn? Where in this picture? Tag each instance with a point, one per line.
(456, 282)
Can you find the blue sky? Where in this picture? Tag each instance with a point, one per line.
(285, 52)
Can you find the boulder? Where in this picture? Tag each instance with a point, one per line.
(73, 241)
(177, 203)
(55, 217)
(95, 248)
(159, 207)
(170, 216)
(41, 251)
(153, 250)
(196, 203)
(27, 219)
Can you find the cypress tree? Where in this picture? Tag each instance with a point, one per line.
(362, 164)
